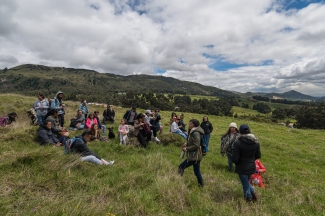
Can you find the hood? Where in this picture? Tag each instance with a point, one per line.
(248, 138)
(59, 92)
(198, 129)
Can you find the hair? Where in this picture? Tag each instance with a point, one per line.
(90, 114)
(92, 129)
(95, 112)
(46, 121)
(41, 95)
(195, 122)
(245, 131)
(82, 100)
(157, 110)
(205, 117)
(139, 116)
(52, 112)
(79, 110)
(173, 114)
(86, 132)
(228, 132)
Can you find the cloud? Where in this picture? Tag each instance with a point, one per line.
(263, 45)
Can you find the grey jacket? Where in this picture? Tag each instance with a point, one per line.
(46, 136)
(56, 103)
(41, 107)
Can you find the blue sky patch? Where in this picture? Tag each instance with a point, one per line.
(159, 71)
(299, 4)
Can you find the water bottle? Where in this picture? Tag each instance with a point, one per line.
(182, 155)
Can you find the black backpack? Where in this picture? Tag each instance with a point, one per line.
(203, 144)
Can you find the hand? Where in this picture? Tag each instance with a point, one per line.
(141, 124)
(184, 149)
(58, 144)
(77, 125)
(184, 145)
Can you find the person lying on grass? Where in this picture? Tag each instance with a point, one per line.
(45, 135)
(7, 120)
(80, 146)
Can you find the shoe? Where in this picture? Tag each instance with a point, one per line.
(249, 199)
(156, 139)
(254, 197)
(180, 171)
(110, 163)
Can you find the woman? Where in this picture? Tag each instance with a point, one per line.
(140, 130)
(174, 128)
(207, 127)
(77, 122)
(172, 118)
(91, 120)
(7, 120)
(193, 151)
(41, 106)
(83, 106)
(227, 142)
(96, 135)
(245, 151)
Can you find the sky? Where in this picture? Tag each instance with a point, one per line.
(252, 45)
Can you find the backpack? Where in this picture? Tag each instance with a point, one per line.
(203, 144)
(68, 144)
(146, 127)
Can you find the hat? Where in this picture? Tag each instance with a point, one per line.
(233, 124)
(148, 112)
(244, 129)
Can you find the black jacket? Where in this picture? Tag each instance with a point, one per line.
(46, 136)
(245, 151)
(80, 146)
(207, 127)
(128, 114)
(109, 113)
(181, 123)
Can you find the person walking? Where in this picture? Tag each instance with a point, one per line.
(192, 148)
(227, 142)
(245, 151)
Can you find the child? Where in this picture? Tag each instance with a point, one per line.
(256, 178)
(123, 130)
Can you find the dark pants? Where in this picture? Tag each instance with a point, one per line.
(62, 140)
(108, 118)
(154, 131)
(86, 116)
(61, 119)
(131, 123)
(141, 137)
(196, 168)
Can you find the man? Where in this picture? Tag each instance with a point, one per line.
(58, 105)
(151, 121)
(181, 124)
(130, 115)
(60, 132)
(77, 122)
(80, 146)
(109, 114)
(100, 126)
(83, 106)
(192, 148)
(46, 136)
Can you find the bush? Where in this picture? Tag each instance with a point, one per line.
(170, 138)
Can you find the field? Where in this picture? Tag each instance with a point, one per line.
(44, 181)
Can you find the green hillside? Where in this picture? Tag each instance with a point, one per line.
(43, 181)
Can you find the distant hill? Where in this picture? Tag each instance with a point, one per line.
(290, 95)
(29, 79)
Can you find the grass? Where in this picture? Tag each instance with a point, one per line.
(43, 181)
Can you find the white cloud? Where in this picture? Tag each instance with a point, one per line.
(117, 37)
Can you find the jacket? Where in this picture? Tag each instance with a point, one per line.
(245, 151)
(56, 128)
(256, 178)
(108, 113)
(84, 108)
(56, 103)
(4, 121)
(227, 143)
(41, 107)
(207, 127)
(127, 115)
(77, 119)
(89, 123)
(181, 123)
(98, 122)
(193, 144)
(46, 136)
(80, 146)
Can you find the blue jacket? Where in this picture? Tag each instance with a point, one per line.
(85, 109)
(41, 107)
(56, 103)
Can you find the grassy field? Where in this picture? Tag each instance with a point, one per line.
(44, 181)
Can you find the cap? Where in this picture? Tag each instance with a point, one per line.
(233, 124)
(244, 129)
(148, 112)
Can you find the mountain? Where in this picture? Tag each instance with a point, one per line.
(290, 95)
(30, 79)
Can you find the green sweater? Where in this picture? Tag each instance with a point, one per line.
(193, 149)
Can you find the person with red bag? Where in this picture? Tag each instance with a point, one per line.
(256, 178)
(142, 130)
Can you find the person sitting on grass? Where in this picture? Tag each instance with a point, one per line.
(77, 122)
(56, 127)
(96, 135)
(45, 135)
(142, 131)
(109, 114)
(100, 126)
(91, 120)
(8, 119)
(83, 106)
(123, 130)
(80, 146)
(151, 121)
(175, 129)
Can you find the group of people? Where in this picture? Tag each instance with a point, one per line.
(239, 145)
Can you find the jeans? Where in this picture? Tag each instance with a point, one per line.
(207, 139)
(196, 168)
(91, 159)
(80, 127)
(181, 133)
(230, 165)
(104, 129)
(247, 188)
(40, 119)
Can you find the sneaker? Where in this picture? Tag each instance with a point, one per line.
(180, 171)
(110, 163)
(156, 139)
(249, 199)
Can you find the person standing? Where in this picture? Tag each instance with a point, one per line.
(227, 142)
(41, 107)
(192, 148)
(57, 104)
(83, 106)
(208, 128)
(130, 115)
(245, 151)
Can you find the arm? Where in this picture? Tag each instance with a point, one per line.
(54, 104)
(235, 152)
(137, 124)
(120, 128)
(258, 152)
(88, 123)
(46, 103)
(126, 114)
(36, 107)
(211, 127)
(196, 138)
(80, 147)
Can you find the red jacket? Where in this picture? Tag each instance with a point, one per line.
(256, 178)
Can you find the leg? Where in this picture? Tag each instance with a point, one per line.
(81, 127)
(62, 140)
(91, 159)
(181, 133)
(40, 120)
(154, 131)
(104, 129)
(61, 119)
(148, 135)
(207, 138)
(124, 139)
(182, 167)
(85, 116)
(121, 138)
(247, 188)
(141, 139)
(197, 172)
(229, 162)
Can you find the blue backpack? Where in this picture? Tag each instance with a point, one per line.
(68, 144)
